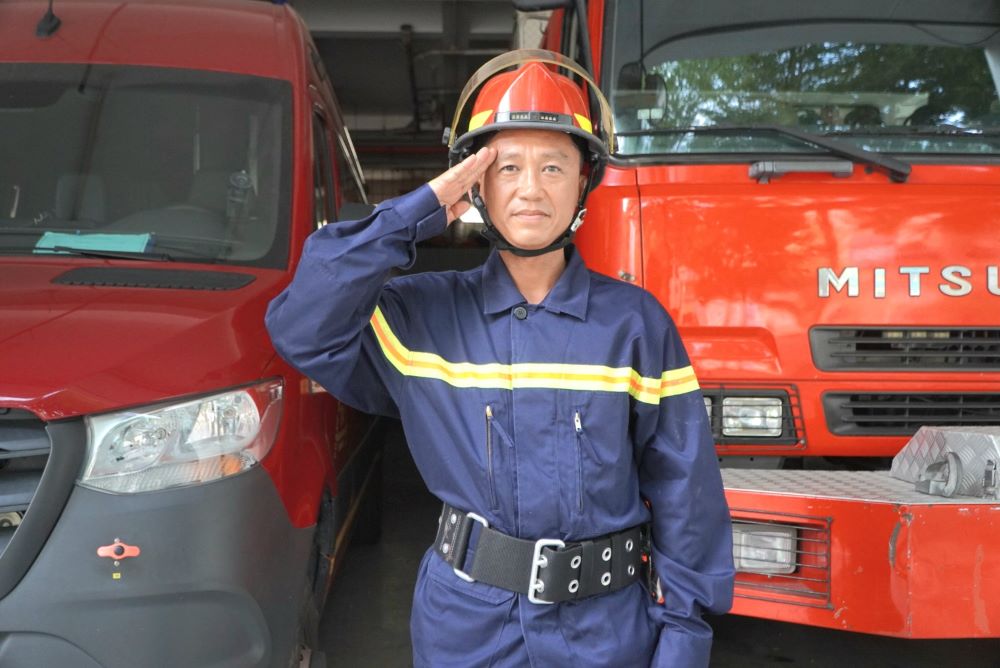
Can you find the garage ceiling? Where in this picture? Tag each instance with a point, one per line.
(399, 65)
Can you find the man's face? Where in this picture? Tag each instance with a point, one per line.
(532, 188)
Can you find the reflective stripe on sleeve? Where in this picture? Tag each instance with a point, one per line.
(580, 377)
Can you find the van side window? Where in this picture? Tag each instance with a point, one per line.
(323, 189)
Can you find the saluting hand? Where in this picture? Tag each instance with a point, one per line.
(453, 184)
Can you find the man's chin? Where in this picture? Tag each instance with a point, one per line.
(530, 246)
(531, 241)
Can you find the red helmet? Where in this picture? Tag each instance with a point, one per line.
(534, 97)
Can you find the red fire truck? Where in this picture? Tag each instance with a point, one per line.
(171, 492)
(812, 191)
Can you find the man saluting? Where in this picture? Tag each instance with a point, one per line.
(552, 410)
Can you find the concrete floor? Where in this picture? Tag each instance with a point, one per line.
(366, 622)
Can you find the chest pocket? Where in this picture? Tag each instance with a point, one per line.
(603, 477)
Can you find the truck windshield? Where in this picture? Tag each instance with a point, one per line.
(907, 88)
(151, 163)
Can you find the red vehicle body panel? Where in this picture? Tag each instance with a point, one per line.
(117, 33)
(735, 262)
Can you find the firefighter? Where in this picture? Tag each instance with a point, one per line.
(552, 410)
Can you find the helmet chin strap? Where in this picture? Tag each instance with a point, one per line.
(500, 243)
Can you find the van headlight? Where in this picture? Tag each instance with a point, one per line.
(752, 416)
(184, 443)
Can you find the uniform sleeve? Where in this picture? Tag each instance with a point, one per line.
(679, 477)
(320, 323)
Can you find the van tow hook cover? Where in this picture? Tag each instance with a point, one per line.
(118, 550)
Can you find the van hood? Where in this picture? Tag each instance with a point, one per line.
(68, 350)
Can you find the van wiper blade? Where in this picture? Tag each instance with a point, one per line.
(897, 170)
(114, 255)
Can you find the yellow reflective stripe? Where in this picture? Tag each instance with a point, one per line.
(584, 123)
(479, 119)
(577, 377)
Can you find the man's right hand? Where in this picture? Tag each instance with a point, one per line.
(451, 186)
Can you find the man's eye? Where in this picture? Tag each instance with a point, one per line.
(507, 168)
(552, 168)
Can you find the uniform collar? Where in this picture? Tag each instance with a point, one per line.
(569, 295)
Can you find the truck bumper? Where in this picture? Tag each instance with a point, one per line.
(872, 555)
(219, 581)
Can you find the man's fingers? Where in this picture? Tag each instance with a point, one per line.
(451, 185)
(456, 210)
(467, 172)
(475, 165)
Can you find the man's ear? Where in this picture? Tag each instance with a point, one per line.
(583, 183)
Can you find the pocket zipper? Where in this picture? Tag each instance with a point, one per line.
(578, 424)
(489, 455)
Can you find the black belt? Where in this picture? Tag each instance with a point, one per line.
(547, 570)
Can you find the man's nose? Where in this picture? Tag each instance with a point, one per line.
(530, 184)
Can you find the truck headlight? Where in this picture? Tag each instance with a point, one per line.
(752, 416)
(184, 443)
(764, 548)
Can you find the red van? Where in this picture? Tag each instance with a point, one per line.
(171, 492)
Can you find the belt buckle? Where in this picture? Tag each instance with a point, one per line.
(538, 561)
(486, 525)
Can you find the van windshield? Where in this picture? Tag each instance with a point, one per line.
(153, 163)
(903, 88)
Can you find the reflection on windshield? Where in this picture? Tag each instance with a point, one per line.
(177, 164)
(906, 98)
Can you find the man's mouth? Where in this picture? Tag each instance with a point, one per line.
(530, 214)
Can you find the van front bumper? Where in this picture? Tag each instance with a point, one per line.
(219, 581)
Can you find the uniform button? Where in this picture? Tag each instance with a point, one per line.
(520, 313)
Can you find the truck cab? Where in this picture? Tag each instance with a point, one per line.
(171, 492)
(812, 192)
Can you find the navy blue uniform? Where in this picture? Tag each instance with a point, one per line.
(552, 420)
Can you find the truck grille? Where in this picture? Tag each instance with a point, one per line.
(901, 414)
(24, 451)
(905, 348)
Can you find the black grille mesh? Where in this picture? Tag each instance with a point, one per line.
(902, 414)
(882, 349)
(24, 451)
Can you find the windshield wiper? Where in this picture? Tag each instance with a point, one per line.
(897, 170)
(114, 255)
(915, 130)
